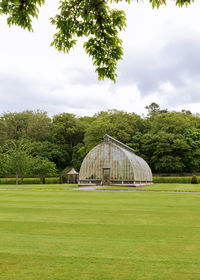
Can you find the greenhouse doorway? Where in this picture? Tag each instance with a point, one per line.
(106, 176)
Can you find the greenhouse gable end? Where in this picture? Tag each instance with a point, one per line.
(114, 163)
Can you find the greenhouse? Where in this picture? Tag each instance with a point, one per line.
(114, 163)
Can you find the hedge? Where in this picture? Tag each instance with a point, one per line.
(183, 180)
(55, 180)
(26, 181)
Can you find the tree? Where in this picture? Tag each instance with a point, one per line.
(192, 158)
(172, 122)
(67, 132)
(154, 108)
(50, 151)
(79, 152)
(4, 167)
(118, 124)
(31, 125)
(19, 160)
(43, 167)
(164, 151)
(77, 18)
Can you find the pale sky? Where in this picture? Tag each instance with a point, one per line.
(161, 64)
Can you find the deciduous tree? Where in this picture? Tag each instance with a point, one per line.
(19, 160)
(43, 167)
(27, 124)
(4, 164)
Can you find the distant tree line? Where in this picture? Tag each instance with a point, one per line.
(33, 144)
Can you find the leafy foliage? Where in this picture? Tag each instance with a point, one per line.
(4, 165)
(93, 19)
(118, 124)
(170, 180)
(21, 12)
(168, 141)
(27, 124)
(19, 160)
(194, 179)
(43, 167)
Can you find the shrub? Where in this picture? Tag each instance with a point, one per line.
(8, 181)
(27, 181)
(52, 180)
(176, 180)
(194, 179)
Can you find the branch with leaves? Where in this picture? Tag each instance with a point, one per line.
(93, 19)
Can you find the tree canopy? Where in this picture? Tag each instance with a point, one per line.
(93, 19)
(168, 141)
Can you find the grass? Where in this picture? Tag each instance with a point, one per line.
(70, 235)
(40, 186)
(160, 187)
(167, 187)
(173, 187)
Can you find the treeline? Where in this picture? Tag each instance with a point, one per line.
(32, 143)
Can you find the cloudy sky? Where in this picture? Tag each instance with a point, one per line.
(161, 64)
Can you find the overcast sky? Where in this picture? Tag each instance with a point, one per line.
(161, 64)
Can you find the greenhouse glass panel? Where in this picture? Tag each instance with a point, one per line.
(114, 163)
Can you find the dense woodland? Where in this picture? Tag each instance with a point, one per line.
(33, 144)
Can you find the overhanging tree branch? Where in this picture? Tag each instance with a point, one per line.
(82, 18)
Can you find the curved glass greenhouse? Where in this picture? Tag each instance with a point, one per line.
(114, 163)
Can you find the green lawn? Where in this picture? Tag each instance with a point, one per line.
(69, 235)
(173, 187)
(165, 186)
(160, 187)
(40, 186)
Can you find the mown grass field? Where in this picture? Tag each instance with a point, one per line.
(160, 187)
(67, 235)
(173, 187)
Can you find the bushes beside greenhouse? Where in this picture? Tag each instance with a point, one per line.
(177, 180)
(194, 179)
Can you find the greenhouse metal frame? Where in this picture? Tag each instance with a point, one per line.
(114, 163)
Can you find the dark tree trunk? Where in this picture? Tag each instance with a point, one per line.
(21, 179)
(16, 178)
